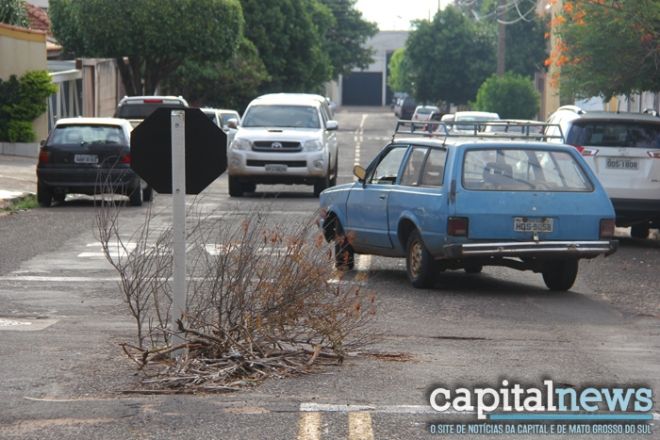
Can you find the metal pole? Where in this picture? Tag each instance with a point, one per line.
(178, 125)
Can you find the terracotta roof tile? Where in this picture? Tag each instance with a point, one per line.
(38, 18)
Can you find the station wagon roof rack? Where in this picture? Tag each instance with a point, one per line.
(500, 129)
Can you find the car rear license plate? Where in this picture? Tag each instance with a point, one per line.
(276, 168)
(86, 158)
(525, 224)
(622, 164)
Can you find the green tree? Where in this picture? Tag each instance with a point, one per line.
(13, 12)
(221, 84)
(608, 48)
(449, 57)
(148, 38)
(511, 96)
(346, 36)
(289, 43)
(399, 77)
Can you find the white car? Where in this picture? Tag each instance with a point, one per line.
(228, 120)
(623, 149)
(468, 121)
(284, 138)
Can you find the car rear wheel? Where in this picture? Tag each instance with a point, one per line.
(640, 230)
(148, 194)
(419, 263)
(560, 275)
(344, 254)
(44, 195)
(235, 187)
(59, 197)
(135, 197)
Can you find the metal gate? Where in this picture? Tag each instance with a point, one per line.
(362, 88)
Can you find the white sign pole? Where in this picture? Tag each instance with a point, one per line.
(178, 123)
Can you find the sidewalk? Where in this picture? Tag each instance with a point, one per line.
(17, 177)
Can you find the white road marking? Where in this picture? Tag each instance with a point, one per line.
(359, 137)
(309, 426)
(359, 426)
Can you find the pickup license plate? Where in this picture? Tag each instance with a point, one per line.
(276, 168)
(524, 224)
(86, 158)
(622, 164)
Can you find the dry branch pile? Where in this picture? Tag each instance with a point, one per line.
(263, 301)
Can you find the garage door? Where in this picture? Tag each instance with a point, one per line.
(362, 88)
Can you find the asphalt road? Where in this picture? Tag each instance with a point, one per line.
(62, 318)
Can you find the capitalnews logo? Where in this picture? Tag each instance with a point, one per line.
(514, 402)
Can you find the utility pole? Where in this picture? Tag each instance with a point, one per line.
(501, 38)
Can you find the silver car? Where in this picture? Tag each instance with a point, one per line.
(284, 138)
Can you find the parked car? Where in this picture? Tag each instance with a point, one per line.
(88, 156)
(222, 118)
(623, 150)
(452, 203)
(137, 108)
(285, 138)
(468, 121)
(424, 112)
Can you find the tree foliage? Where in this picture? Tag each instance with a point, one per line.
(345, 39)
(607, 48)
(13, 12)
(449, 57)
(148, 38)
(221, 84)
(511, 96)
(399, 72)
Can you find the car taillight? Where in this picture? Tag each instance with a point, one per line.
(457, 226)
(125, 159)
(654, 154)
(606, 228)
(44, 156)
(586, 151)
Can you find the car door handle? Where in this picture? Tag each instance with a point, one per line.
(382, 197)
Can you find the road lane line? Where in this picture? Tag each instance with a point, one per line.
(359, 426)
(309, 426)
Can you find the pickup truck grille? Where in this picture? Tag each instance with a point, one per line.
(276, 147)
(289, 163)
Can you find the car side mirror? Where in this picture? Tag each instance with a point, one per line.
(232, 123)
(331, 125)
(42, 142)
(360, 173)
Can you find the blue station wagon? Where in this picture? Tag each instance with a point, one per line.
(465, 203)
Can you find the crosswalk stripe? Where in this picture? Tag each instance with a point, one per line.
(309, 426)
(359, 426)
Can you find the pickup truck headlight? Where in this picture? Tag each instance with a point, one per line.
(313, 145)
(240, 144)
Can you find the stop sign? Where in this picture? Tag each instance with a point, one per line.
(205, 148)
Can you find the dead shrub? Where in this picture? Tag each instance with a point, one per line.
(263, 299)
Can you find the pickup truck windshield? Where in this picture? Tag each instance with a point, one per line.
(290, 116)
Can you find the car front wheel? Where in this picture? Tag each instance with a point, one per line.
(419, 263)
(135, 197)
(235, 187)
(560, 275)
(640, 230)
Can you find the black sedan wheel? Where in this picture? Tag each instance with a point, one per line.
(559, 275)
(44, 195)
(419, 263)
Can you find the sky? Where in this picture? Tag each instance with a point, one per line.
(396, 15)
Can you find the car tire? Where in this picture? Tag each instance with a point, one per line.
(419, 263)
(249, 187)
(344, 255)
(321, 184)
(148, 194)
(640, 230)
(235, 187)
(335, 172)
(44, 195)
(559, 275)
(59, 197)
(473, 268)
(135, 197)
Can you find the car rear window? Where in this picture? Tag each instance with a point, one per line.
(615, 134)
(88, 134)
(141, 110)
(292, 116)
(507, 169)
